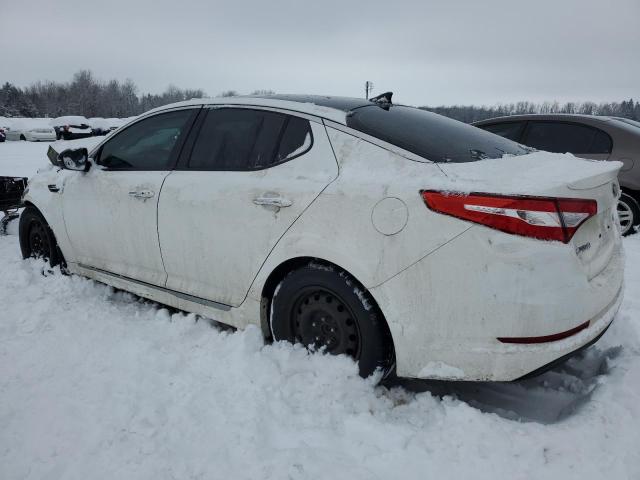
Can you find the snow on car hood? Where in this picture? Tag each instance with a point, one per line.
(528, 173)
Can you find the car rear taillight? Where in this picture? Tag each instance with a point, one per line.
(543, 218)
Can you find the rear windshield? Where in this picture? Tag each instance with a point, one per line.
(431, 136)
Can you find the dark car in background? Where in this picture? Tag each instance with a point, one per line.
(71, 127)
(586, 136)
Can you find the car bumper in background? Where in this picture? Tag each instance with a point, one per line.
(40, 137)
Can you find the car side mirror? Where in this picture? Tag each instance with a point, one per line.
(75, 159)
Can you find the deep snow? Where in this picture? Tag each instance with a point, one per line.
(96, 383)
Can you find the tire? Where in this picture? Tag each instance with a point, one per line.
(320, 306)
(37, 239)
(23, 138)
(628, 213)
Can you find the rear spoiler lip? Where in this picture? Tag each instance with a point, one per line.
(599, 180)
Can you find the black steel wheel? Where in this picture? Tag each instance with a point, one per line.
(36, 238)
(325, 309)
(323, 320)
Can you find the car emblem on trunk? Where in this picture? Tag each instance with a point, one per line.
(583, 248)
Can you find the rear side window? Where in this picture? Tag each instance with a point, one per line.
(244, 139)
(567, 138)
(601, 143)
(510, 130)
(146, 145)
(429, 135)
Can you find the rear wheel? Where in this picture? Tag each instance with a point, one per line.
(628, 213)
(324, 308)
(23, 138)
(36, 238)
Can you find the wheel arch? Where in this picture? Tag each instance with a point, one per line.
(287, 266)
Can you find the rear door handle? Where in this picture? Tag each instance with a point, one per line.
(273, 201)
(142, 194)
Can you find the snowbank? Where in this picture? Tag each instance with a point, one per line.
(99, 384)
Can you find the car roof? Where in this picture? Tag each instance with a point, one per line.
(329, 107)
(544, 116)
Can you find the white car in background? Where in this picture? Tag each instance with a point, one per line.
(30, 129)
(100, 126)
(404, 239)
(115, 123)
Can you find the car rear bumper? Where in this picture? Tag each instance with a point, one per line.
(76, 135)
(40, 137)
(447, 311)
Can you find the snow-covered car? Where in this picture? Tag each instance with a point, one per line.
(115, 123)
(30, 129)
(409, 241)
(100, 126)
(71, 127)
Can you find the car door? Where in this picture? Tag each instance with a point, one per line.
(248, 176)
(110, 212)
(568, 137)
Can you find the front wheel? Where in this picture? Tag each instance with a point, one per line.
(628, 213)
(326, 309)
(36, 238)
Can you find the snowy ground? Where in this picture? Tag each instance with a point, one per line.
(99, 384)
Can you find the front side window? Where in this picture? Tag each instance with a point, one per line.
(567, 138)
(146, 145)
(243, 139)
(510, 130)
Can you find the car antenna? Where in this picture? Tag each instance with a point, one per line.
(383, 100)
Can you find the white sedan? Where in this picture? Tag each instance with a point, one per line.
(411, 242)
(31, 130)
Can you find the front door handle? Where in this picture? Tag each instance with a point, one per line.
(280, 202)
(142, 194)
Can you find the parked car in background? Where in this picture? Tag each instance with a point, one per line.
(30, 129)
(4, 126)
(71, 127)
(403, 239)
(100, 126)
(586, 136)
(115, 123)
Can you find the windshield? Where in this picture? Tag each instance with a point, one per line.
(431, 136)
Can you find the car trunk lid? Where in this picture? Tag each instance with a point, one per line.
(552, 175)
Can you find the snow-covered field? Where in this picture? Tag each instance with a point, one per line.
(99, 384)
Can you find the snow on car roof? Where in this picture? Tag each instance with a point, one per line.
(69, 120)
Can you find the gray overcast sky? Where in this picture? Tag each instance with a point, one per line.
(427, 52)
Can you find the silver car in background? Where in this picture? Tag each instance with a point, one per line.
(586, 136)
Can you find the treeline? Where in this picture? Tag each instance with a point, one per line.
(85, 95)
(470, 113)
(91, 97)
